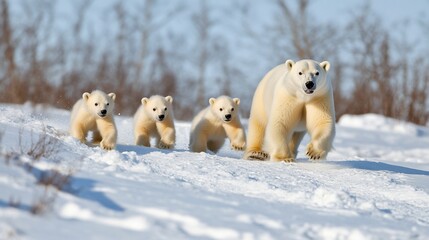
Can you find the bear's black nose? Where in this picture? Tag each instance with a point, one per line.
(161, 117)
(104, 111)
(228, 116)
(309, 84)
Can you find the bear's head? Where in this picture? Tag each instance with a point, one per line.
(158, 107)
(100, 103)
(309, 76)
(224, 107)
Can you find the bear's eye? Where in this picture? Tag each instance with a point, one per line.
(300, 73)
(107, 104)
(317, 73)
(154, 109)
(221, 109)
(96, 104)
(165, 109)
(232, 109)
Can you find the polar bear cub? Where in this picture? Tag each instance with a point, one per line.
(213, 124)
(154, 118)
(291, 100)
(94, 112)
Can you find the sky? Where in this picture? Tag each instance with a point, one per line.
(390, 10)
(395, 14)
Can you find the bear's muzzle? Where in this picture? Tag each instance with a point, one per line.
(309, 87)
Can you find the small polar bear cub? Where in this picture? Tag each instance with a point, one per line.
(291, 100)
(213, 124)
(94, 112)
(154, 118)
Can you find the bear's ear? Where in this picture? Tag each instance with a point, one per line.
(112, 96)
(169, 99)
(144, 100)
(86, 95)
(325, 65)
(212, 101)
(236, 100)
(289, 64)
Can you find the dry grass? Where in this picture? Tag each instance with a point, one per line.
(15, 203)
(54, 178)
(43, 146)
(44, 203)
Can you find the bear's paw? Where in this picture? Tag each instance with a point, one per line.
(107, 145)
(257, 155)
(288, 160)
(315, 154)
(163, 145)
(237, 147)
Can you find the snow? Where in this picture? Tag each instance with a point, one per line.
(380, 123)
(374, 185)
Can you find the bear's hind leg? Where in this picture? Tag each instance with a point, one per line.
(295, 141)
(141, 136)
(143, 140)
(279, 135)
(215, 145)
(198, 144)
(96, 137)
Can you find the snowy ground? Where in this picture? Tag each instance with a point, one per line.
(374, 185)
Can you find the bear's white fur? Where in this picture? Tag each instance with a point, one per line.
(154, 118)
(213, 124)
(94, 112)
(292, 99)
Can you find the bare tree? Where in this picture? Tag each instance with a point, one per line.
(136, 54)
(11, 78)
(202, 23)
(293, 34)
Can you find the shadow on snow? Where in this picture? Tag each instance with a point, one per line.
(380, 166)
(84, 188)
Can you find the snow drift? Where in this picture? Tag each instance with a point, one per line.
(374, 185)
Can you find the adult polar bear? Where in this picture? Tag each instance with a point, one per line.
(292, 99)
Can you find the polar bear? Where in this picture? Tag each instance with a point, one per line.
(291, 100)
(154, 118)
(94, 112)
(213, 124)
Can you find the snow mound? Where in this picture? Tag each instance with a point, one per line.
(375, 122)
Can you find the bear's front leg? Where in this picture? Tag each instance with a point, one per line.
(236, 136)
(77, 131)
(321, 127)
(322, 136)
(255, 139)
(108, 132)
(167, 136)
